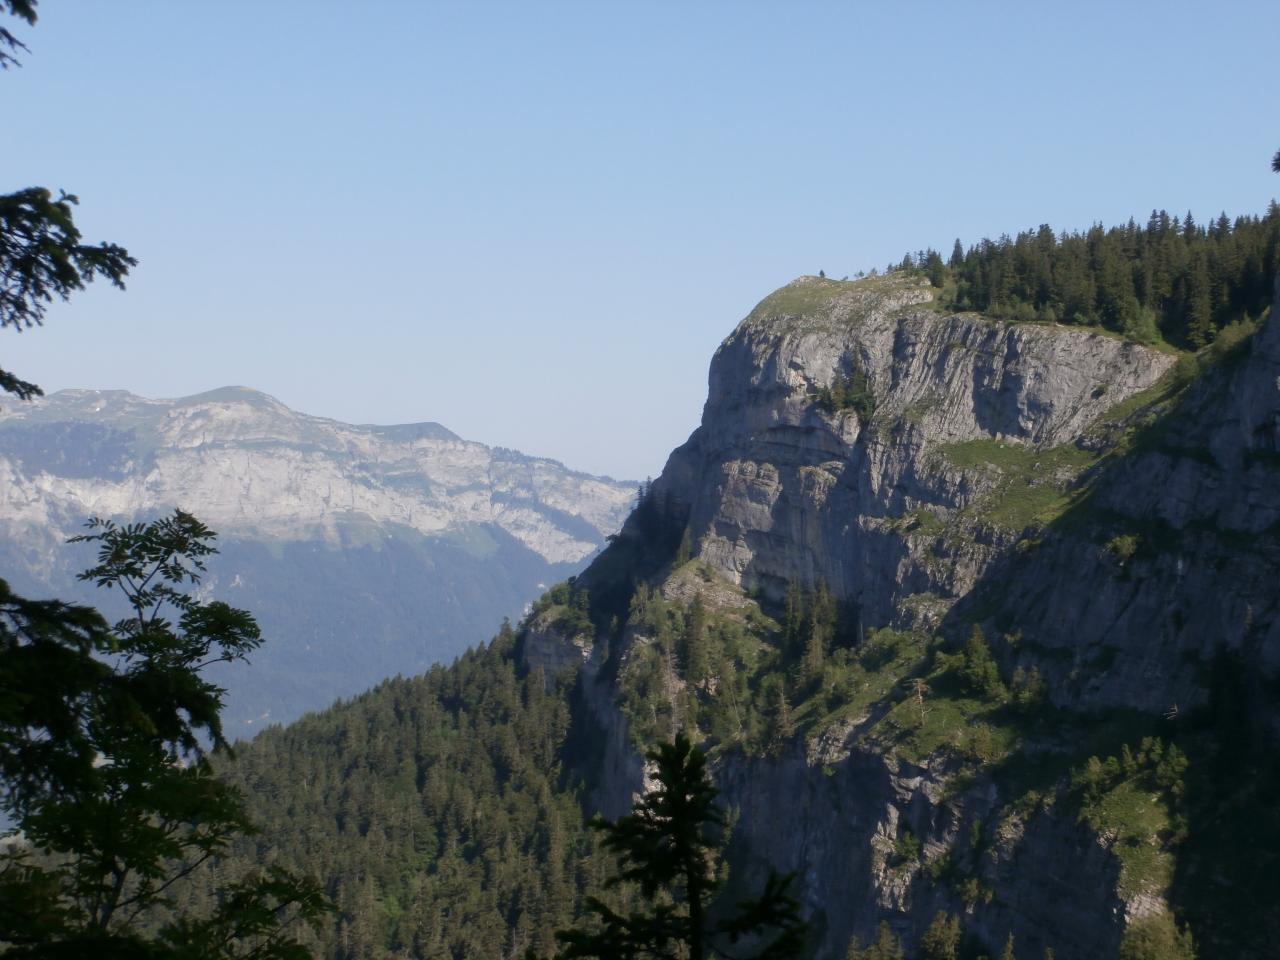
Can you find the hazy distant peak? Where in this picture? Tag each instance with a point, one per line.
(408, 432)
(252, 467)
(229, 394)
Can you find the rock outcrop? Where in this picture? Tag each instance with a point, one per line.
(780, 490)
(1109, 508)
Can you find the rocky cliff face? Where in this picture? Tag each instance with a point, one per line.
(1199, 497)
(364, 551)
(1109, 517)
(780, 490)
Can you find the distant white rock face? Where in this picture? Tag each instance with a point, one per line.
(247, 465)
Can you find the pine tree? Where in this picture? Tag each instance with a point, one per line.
(934, 268)
(819, 629)
(793, 636)
(979, 671)
(884, 947)
(941, 941)
(669, 846)
(781, 728)
(696, 660)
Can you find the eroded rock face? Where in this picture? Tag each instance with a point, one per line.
(1199, 496)
(836, 823)
(778, 489)
(919, 514)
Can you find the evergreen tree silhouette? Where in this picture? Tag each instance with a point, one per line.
(669, 846)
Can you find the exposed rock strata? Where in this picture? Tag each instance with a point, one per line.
(775, 489)
(778, 490)
(244, 461)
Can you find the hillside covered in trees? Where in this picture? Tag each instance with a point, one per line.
(438, 810)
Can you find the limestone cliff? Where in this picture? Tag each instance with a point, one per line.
(1108, 514)
(364, 551)
(780, 490)
(250, 462)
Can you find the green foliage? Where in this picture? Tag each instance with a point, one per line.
(9, 44)
(956, 704)
(437, 809)
(906, 849)
(735, 676)
(1170, 279)
(669, 849)
(973, 891)
(851, 391)
(978, 669)
(821, 632)
(884, 947)
(697, 662)
(1033, 486)
(717, 672)
(42, 259)
(780, 725)
(1156, 937)
(568, 606)
(650, 681)
(105, 773)
(941, 941)
(1136, 798)
(684, 552)
(807, 299)
(1123, 547)
(1030, 692)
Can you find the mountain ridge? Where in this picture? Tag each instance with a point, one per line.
(428, 536)
(392, 473)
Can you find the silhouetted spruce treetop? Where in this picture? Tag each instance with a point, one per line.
(669, 848)
(42, 257)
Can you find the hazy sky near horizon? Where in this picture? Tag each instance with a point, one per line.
(534, 222)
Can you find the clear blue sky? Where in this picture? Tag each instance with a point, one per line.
(534, 222)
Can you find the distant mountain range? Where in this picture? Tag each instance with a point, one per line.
(364, 551)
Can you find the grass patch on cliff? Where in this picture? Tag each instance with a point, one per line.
(855, 682)
(1132, 802)
(958, 704)
(1032, 487)
(822, 299)
(801, 298)
(920, 523)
